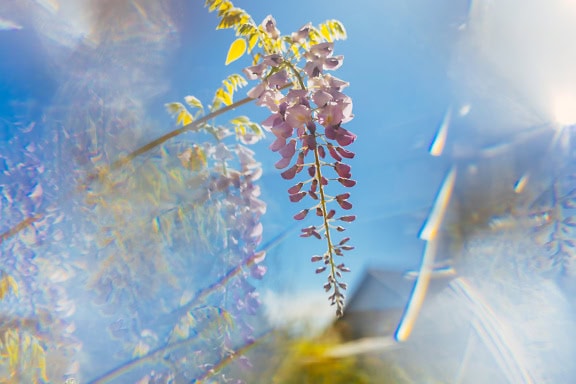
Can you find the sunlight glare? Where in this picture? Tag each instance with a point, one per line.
(564, 109)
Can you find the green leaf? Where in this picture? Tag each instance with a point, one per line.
(236, 50)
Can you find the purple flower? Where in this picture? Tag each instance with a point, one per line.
(321, 152)
(341, 135)
(295, 189)
(309, 141)
(269, 25)
(283, 129)
(297, 197)
(343, 170)
(344, 241)
(279, 79)
(320, 57)
(347, 219)
(346, 182)
(321, 98)
(316, 258)
(257, 91)
(345, 204)
(289, 149)
(300, 159)
(333, 153)
(322, 49)
(345, 153)
(278, 144)
(283, 163)
(333, 62)
(302, 34)
(310, 231)
(298, 115)
(301, 215)
(272, 60)
(254, 72)
(222, 153)
(290, 173)
(330, 115)
(269, 99)
(298, 96)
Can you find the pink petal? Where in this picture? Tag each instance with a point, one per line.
(321, 98)
(312, 171)
(297, 197)
(343, 170)
(278, 144)
(344, 241)
(283, 163)
(290, 172)
(301, 215)
(295, 189)
(346, 138)
(282, 129)
(289, 149)
(345, 153)
(333, 153)
(343, 196)
(347, 182)
(314, 185)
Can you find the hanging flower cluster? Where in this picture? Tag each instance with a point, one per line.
(307, 122)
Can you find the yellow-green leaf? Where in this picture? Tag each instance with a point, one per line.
(184, 118)
(252, 41)
(237, 49)
(223, 97)
(325, 32)
(240, 120)
(173, 108)
(193, 102)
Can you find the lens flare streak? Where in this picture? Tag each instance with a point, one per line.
(430, 229)
(428, 233)
(493, 334)
(439, 141)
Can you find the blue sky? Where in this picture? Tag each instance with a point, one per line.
(407, 61)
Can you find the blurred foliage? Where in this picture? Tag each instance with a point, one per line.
(285, 358)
